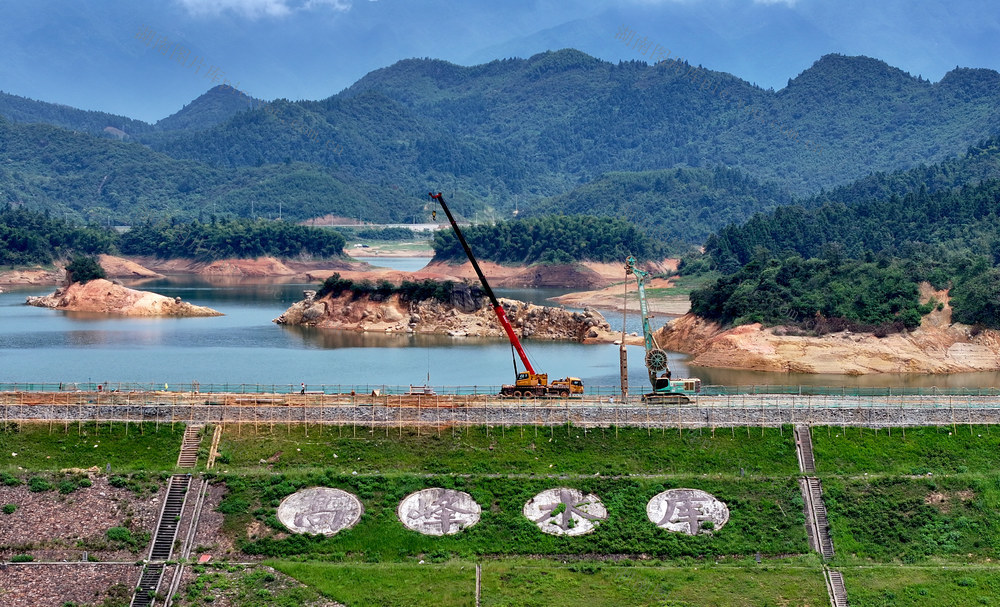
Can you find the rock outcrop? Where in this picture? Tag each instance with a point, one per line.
(465, 315)
(105, 297)
(937, 346)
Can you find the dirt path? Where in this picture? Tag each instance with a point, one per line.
(611, 298)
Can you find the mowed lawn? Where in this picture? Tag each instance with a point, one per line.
(913, 513)
(547, 583)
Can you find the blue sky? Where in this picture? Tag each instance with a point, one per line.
(147, 59)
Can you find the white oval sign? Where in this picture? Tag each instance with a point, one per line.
(320, 510)
(690, 511)
(565, 511)
(438, 511)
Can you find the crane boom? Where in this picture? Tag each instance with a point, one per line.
(497, 308)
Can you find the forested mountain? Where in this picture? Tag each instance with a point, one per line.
(522, 130)
(29, 111)
(679, 207)
(936, 211)
(538, 127)
(99, 180)
(217, 105)
(859, 256)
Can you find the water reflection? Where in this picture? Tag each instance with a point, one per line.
(245, 346)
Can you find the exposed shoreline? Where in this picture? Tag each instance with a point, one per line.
(937, 346)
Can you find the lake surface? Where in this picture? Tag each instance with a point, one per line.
(246, 347)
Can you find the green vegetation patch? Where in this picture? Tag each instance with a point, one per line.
(122, 537)
(230, 238)
(912, 519)
(552, 239)
(906, 451)
(385, 585)
(408, 290)
(545, 583)
(683, 285)
(84, 269)
(145, 446)
(765, 515)
(246, 587)
(821, 295)
(521, 450)
(936, 585)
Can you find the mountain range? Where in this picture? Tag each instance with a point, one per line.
(684, 150)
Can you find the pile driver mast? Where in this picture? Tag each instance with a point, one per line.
(656, 357)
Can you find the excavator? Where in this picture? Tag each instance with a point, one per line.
(664, 388)
(527, 383)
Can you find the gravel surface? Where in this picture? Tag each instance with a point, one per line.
(55, 527)
(51, 585)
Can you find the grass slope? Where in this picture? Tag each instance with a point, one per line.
(548, 583)
(523, 450)
(125, 447)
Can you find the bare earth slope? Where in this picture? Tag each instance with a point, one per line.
(937, 346)
(105, 297)
(583, 275)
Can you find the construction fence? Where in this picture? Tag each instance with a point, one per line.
(380, 410)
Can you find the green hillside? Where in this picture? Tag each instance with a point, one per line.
(859, 255)
(538, 127)
(951, 203)
(29, 111)
(628, 140)
(100, 180)
(218, 104)
(679, 207)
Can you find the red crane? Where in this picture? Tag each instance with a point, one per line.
(527, 383)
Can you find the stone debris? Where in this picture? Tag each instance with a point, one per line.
(50, 525)
(466, 315)
(58, 585)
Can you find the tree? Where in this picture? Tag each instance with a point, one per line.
(84, 269)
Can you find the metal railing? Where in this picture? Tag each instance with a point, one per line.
(487, 389)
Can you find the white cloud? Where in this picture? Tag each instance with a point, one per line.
(255, 9)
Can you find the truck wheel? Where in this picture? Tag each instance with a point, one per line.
(517, 394)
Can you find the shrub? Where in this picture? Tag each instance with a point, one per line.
(84, 269)
(22, 558)
(120, 534)
(233, 505)
(38, 484)
(10, 508)
(133, 541)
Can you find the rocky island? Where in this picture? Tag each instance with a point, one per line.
(465, 313)
(105, 297)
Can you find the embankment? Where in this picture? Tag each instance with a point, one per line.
(936, 346)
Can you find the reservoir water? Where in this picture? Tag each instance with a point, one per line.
(246, 347)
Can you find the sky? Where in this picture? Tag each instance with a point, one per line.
(148, 59)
